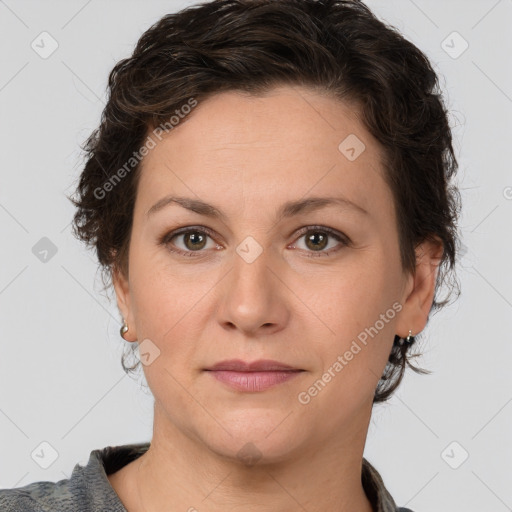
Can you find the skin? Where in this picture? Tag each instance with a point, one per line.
(247, 156)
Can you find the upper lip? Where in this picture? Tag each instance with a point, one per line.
(262, 365)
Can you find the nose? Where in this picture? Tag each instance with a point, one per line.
(253, 297)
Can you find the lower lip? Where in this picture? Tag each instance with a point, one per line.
(253, 381)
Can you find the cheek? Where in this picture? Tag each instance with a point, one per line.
(169, 306)
(360, 307)
(353, 295)
(159, 293)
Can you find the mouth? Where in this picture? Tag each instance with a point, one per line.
(262, 365)
(252, 377)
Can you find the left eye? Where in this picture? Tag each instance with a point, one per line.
(315, 239)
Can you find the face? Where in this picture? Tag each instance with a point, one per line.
(318, 287)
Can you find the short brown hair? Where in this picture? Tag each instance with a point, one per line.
(335, 46)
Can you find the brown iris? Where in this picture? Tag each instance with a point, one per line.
(197, 239)
(315, 238)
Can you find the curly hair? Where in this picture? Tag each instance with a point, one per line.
(337, 47)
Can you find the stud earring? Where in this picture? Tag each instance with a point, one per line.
(410, 338)
(124, 329)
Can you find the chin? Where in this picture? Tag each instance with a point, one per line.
(255, 437)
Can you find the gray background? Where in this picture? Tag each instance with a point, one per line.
(61, 381)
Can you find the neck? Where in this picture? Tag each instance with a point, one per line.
(182, 471)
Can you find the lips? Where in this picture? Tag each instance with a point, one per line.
(252, 377)
(263, 365)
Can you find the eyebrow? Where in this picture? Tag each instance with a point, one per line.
(288, 209)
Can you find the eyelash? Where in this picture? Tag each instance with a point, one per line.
(166, 239)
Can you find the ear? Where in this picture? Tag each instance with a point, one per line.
(122, 289)
(419, 291)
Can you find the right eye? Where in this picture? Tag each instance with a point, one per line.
(194, 240)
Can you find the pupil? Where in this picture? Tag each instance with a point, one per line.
(195, 238)
(315, 237)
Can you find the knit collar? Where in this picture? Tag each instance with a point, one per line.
(112, 458)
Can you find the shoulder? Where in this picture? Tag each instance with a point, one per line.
(10, 501)
(37, 497)
(87, 490)
(377, 493)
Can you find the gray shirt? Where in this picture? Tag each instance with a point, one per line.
(88, 489)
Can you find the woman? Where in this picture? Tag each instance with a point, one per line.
(269, 193)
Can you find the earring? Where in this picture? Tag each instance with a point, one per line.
(410, 338)
(124, 329)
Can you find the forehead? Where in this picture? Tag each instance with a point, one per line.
(254, 149)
